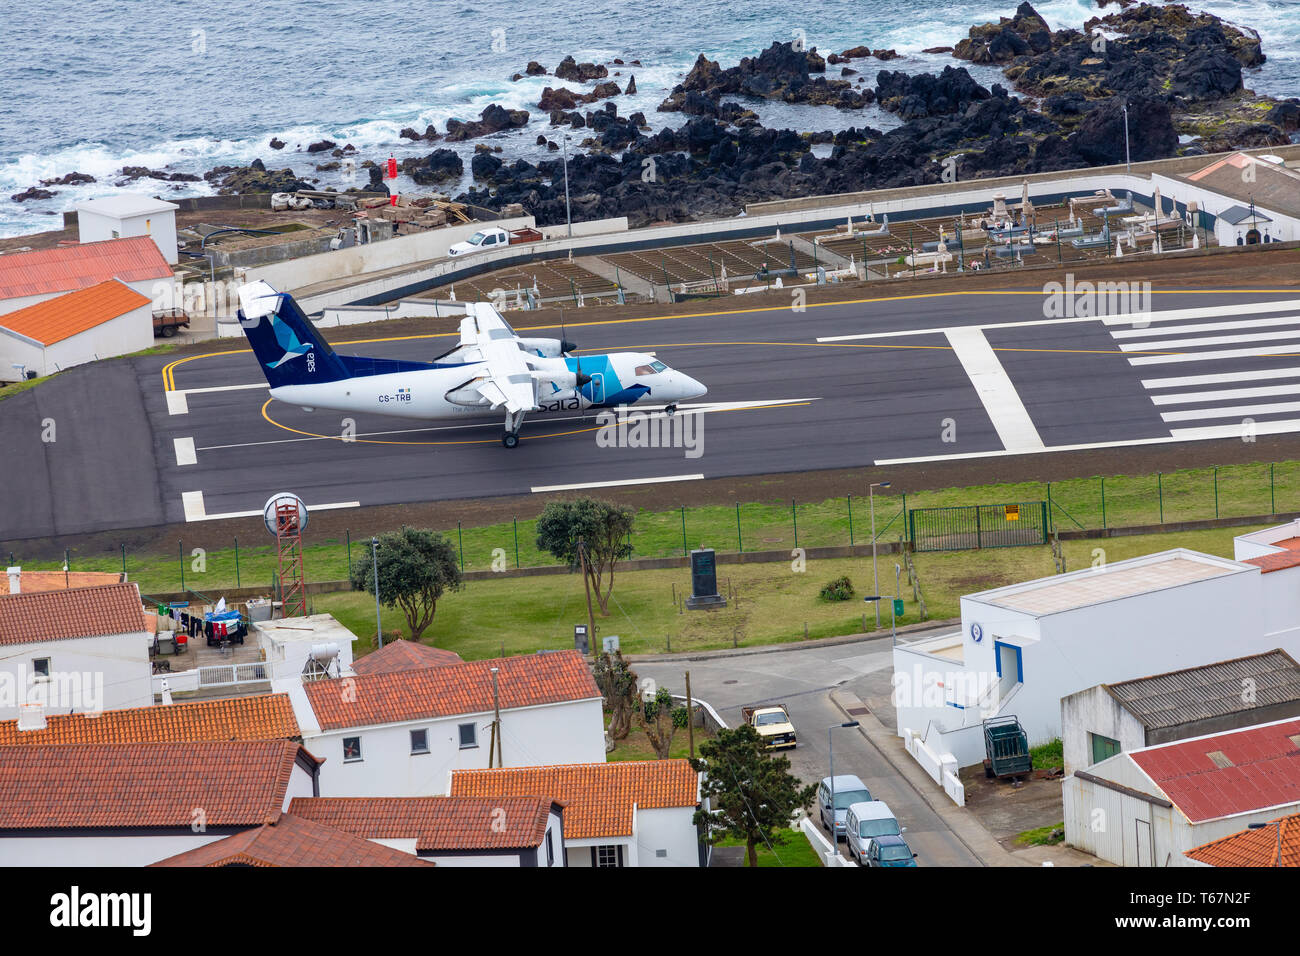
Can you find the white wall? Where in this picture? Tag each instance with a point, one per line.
(571, 732)
(114, 668)
(1282, 228)
(667, 829)
(159, 226)
(1095, 711)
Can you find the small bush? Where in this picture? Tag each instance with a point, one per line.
(841, 589)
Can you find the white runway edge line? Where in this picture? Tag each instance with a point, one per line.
(1005, 409)
(613, 484)
(195, 510)
(185, 454)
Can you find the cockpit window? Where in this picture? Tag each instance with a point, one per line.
(658, 366)
(644, 370)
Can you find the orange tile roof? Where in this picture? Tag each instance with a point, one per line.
(256, 717)
(401, 655)
(436, 823)
(1277, 561)
(30, 581)
(1253, 847)
(145, 785)
(598, 797)
(293, 841)
(77, 612)
(65, 268)
(528, 680)
(61, 318)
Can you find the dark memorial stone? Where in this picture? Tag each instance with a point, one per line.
(704, 581)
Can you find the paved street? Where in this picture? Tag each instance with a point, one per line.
(801, 679)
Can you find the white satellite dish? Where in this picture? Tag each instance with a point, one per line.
(283, 498)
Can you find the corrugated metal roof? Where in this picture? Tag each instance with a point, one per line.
(67, 315)
(66, 268)
(1215, 690)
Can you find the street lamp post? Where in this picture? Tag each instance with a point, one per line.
(1255, 826)
(830, 741)
(568, 216)
(1128, 165)
(875, 580)
(374, 563)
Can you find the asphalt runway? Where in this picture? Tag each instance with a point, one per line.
(914, 378)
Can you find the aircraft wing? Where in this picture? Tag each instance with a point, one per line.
(508, 381)
(483, 324)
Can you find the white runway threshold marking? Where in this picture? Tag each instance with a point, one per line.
(185, 454)
(1005, 409)
(195, 510)
(614, 484)
(176, 404)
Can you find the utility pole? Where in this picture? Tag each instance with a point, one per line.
(586, 580)
(568, 216)
(494, 746)
(1128, 165)
(690, 716)
(374, 564)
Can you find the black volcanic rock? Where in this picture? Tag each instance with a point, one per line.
(438, 167)
(1099, 138)
(914, 96)
(494, 119)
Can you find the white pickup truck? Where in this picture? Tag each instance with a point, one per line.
(493, 238)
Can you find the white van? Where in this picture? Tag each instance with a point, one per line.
(866, 821)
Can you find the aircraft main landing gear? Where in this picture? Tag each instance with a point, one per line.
(510, 439)
(671, 410)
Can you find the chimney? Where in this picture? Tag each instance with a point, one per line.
(15, 579)
(31, 717)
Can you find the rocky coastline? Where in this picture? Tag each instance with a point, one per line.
(1179, 72)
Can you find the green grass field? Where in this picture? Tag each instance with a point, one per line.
(795, 851)
(1085, 503)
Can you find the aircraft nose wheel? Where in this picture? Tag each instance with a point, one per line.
(510, 439)
(671, 410)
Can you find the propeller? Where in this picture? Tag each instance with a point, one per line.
(567, 346)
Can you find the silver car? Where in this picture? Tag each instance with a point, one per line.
(848, 791)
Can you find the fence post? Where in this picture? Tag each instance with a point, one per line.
(1272, 499)
(237, 562)
(348, 532)
(1216, 492)
(460, 546)
(1103, 502)
(124, 559)
(1050, 516)
(850, 500)
(905, 512)
(1160, 494)
(180, 556)
(794, 521)
(684, 552)
(516, 520)
(740, 544)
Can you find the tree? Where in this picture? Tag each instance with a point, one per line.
(416, 567)
(618, 684)
(604, 529)
(660, 717)
(753, 794)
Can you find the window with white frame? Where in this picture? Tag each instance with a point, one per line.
(419, 741)
(41, 668)
(468, 736)
(351, 749)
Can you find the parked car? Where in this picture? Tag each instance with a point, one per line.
(865, 822)
(494, 238)
(890, 851)
(773, 725)
(848, 791)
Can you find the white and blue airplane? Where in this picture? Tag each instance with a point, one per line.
(490, 369)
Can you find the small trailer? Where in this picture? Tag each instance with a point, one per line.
(167, 322)
(1006, 748)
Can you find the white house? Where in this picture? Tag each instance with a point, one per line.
(126, 215)
(1148, 807)
(1103, 720)
(30, 277)
(304, 646)
(133, 804)
(77, 650)
(1251, 199)
(523, 831)
(1023, 647)
(398, 734)
(618, 813)
(98, 322)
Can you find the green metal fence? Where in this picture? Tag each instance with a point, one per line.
(978, 526)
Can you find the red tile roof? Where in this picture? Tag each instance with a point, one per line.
(1261, 769)
(145, 785)
(598, 797)
(1254, 847)
(293, 841)
(1277, 561)
(524, 681)
(78, 612)
(60, 580)
(403, 655)
(67, 315)
(436, 823)
(256, 717)
(66, 268)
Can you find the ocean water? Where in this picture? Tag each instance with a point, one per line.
(185, 86)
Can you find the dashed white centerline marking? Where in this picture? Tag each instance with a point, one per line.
(176, 404)
(1005, 409)
(613, 484)
(185, 454)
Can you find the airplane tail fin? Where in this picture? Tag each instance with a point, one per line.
(288, 347)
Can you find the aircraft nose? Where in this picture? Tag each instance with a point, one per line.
(692, 388)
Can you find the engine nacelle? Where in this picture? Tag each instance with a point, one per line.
(547, 348)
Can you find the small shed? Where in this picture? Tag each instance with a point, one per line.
(126, 215)
(102, 321)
